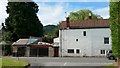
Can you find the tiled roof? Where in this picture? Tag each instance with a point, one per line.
(21, 42)
(103, 23)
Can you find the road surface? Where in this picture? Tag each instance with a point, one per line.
(67, 62)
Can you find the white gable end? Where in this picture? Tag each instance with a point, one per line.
(80, 42)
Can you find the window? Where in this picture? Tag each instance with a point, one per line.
(76, 40)
(106, 40)
(77, 51)
(84, 33)
(70, 50)
(102, 52)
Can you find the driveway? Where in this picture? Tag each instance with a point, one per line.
(67, 62)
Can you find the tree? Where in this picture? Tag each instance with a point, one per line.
(115, 28)
(83, 15)
(23, 20)
(50, 32)
(6, 48)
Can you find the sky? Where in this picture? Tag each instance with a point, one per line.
(52, 12)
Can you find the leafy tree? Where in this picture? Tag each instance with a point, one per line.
(83, 15)
(115, 27)
(48, 39)
(23, 20)
(50, 32)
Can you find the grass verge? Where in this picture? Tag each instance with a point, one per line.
(7, 63)
(109, 66)
(0, 62)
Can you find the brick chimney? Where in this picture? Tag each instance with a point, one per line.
(67, 22)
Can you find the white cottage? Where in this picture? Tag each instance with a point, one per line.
(85, 38)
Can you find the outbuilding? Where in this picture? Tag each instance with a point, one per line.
(32, 48)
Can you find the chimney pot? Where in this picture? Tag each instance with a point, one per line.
(67, 22)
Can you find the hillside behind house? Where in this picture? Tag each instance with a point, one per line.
(50, 32)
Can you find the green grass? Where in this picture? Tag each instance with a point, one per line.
(109, 66)
(0, 62)
(7, 62)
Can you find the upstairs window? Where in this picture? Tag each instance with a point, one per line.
(76, 40)
(84, 33)
(106, 40)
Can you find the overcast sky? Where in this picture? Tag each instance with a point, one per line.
(53, 11)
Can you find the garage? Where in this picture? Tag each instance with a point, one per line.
(39, 52)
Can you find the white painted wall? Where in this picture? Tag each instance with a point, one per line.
(56, 41)
(91, 44)
(98, 41)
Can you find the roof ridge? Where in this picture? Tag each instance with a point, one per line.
(86, 23)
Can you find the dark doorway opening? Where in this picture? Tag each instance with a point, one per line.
(56, 51)
(43, 52)
(38, 52)
(21, 51)
(33, 52)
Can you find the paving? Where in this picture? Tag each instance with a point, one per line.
(67, 62)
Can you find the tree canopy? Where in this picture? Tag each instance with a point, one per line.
(115, 27)
(23, 20)
(50, 32)
(83, 15)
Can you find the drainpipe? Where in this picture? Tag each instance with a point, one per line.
(60, 43)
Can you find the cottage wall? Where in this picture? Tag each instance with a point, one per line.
(89, 45)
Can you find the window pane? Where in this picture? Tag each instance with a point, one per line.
(77, 51)
(84, 33)
(76, 40)
(102, 51)
(70, 50)
(106, 40)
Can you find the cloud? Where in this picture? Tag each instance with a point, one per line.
(51, 14)
(54, 14)
(3, 14)
(47, 14)
(104, 12)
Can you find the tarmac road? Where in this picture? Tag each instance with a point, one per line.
(67, 62)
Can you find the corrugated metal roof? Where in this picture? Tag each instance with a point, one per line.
(31, 41)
